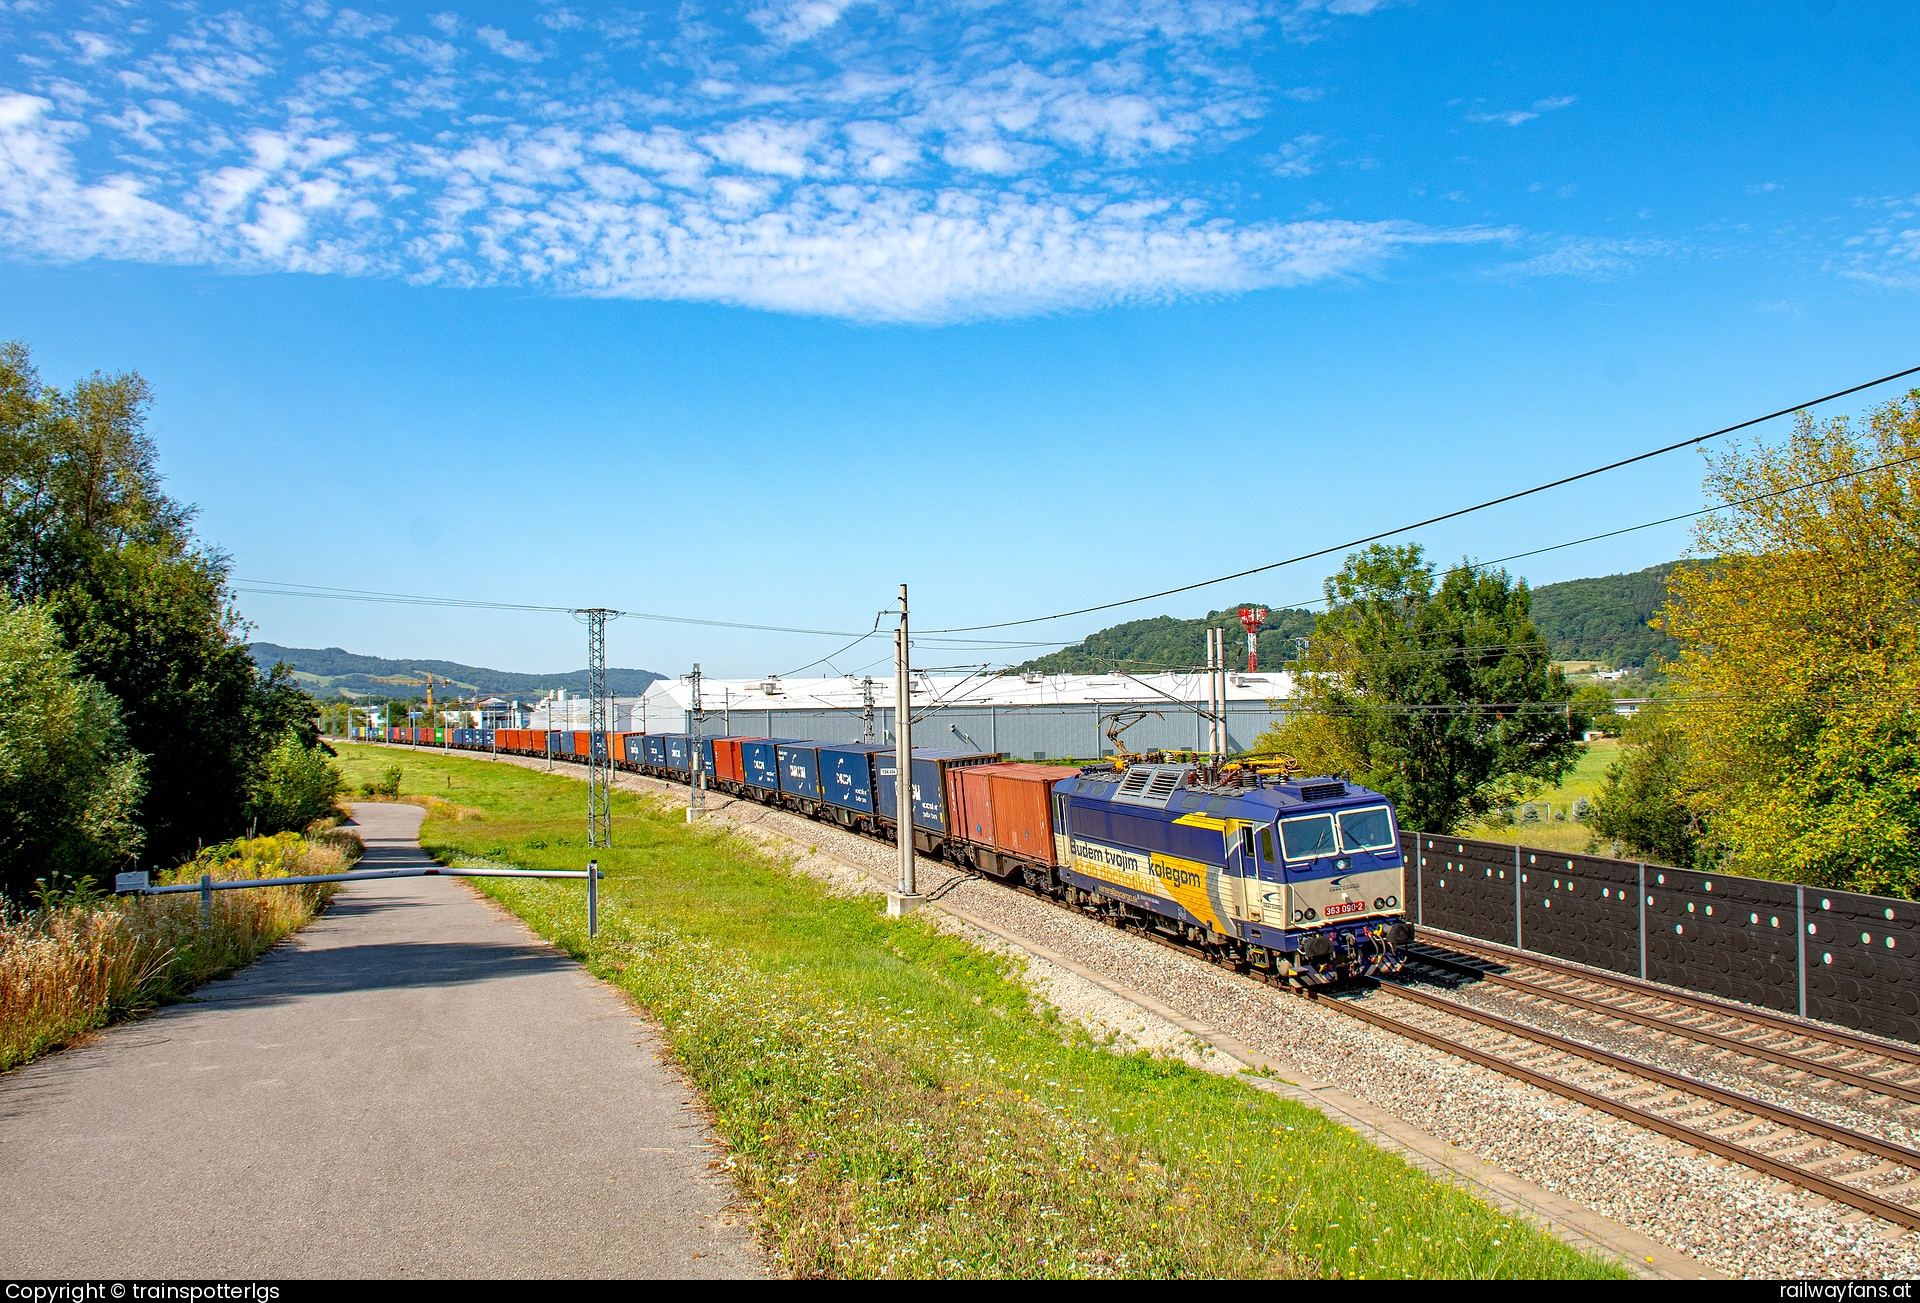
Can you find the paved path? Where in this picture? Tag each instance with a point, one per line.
(412, 1086)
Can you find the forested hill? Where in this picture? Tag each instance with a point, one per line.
(1602, 619)
(1143, 646)
(331, 671)
(1605, 619)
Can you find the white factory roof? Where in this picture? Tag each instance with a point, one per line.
(963, 690)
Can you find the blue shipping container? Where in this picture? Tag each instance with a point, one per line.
(553, 741)
(846, 775)
(655, 745)
(929, 785)
(636, 748)
(761, 760)
(800, 769)
(679, 751)
(706, 756)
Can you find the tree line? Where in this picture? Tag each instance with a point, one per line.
(134, 725)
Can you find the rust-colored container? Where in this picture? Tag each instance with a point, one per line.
(582, 744)
(727, 762)
(616, 746)
(972, 797)
(1018, 806)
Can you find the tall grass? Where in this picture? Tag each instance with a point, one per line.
(71, 966)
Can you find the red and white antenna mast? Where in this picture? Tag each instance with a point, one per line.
(1251, 619)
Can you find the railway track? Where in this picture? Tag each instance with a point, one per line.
(1812, 1153)
(1781, 1143)
(1826, 1158)
(1831, 1052)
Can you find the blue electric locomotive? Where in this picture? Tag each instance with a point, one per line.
(1302, 878)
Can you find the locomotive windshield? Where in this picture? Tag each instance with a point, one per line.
(1307, 837)
(1366, 830)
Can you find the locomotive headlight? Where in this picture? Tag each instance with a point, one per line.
(1298, 915)
(1310, 914)
(1392, 901)
(1379, 902)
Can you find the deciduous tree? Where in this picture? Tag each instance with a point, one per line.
(1443, 697)
(1798, 682)
(88, 531)
(69, 783)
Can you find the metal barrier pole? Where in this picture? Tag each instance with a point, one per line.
(1419, 882)
(206, 898)
(593, 898)
(1643, 922)
(1519, 935)
(1800, 931)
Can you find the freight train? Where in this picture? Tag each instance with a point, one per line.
(1300, 878)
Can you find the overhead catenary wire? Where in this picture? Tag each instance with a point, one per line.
(944, 638)
(1445, 516)
(1302, 605)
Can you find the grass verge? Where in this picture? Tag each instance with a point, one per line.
(70, 967)
(896, 1104)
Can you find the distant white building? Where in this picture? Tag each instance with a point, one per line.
(1031, 715)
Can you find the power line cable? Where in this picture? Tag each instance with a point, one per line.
(1450, 515)
(1301, 605)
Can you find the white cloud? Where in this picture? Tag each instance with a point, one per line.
(1295, 157)
(506, 47)
(1588, 259)
(759, 145)
(1514, 117)
(943, 162)
(798, 20)
(356, 26)
(94, 47)
(1887, 253)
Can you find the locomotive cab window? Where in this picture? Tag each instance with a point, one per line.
(1370, 829)
(1307, 837)
(1266, 845)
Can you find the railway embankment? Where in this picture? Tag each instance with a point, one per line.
(897, 1100)
(1619, 1183)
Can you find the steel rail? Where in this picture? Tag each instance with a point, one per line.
(1849, 1195)
(1899, 1214)
(1731, 1009)
(1878, 1085)
(1676, 1080)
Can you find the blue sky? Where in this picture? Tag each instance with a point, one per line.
(752, 312)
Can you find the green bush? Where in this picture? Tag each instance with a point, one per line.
(389, 784)
(69, 784)
(1643, 806)
(297, 785)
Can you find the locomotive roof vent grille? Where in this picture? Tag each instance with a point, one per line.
(1151, 784)
(1322, 791)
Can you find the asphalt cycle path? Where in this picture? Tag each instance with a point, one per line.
(414, 1085)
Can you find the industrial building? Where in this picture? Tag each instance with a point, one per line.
(1028, 717)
